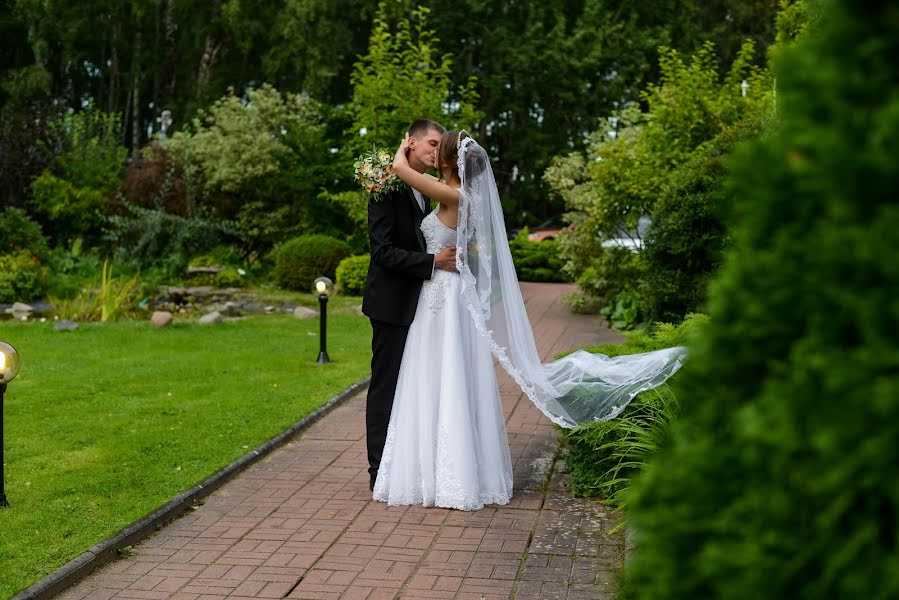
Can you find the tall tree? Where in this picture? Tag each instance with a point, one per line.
(548, 71)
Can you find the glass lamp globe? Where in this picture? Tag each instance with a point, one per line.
(9, 363)
(323, 287)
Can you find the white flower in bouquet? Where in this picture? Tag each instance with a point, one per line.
(374, 171)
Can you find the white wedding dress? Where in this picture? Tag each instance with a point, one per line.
(446, 443)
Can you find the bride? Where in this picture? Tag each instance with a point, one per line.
(446, 442)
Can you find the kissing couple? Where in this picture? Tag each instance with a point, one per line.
(444, 301)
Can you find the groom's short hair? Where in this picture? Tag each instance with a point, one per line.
(420, 127)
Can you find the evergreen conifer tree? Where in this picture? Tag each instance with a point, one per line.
(781, 479)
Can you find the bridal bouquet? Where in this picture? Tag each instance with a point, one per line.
(374, 171)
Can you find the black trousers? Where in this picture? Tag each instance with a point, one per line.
(387, 344)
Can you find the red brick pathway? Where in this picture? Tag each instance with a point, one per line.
(301, 523)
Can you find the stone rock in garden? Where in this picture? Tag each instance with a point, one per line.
(253, 307)
(19, 309)
(42, 308)
(161, 318)
(303, 312)
(199, 292)
(212, 318)
(231, 309)
(65, 325)
(270, 309)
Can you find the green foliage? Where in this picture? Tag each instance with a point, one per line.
(155, 237)
(237, 141)
(613, 278)
(403, 77)
(780, 478)
(546, 70)
(70, 270)
(229, 278)
(795, 18)
(661, 335)
(686, 242)
(302, 259)
(18, 232)
(258, 162)
(536, 261)
(352, 273)
(72, 197)
(664, 163)
(625, 312)
(604, 456)
(22, 278)
(109, 299)
(581, 303)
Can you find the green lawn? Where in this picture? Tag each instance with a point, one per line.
(107, 423)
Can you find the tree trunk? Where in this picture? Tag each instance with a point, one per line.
(112, 101)
(135, 100)
(210, 50)
(170, 49)
(156, 55)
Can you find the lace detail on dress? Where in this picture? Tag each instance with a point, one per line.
(378, 493)
(435, 290)
(437, 236)
(450, 492)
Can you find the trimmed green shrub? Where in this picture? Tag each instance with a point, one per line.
(22, 278)
(781, 478)
(536, 261)
(302, 259)
(18, 232)
(228, 278)
(352, 273)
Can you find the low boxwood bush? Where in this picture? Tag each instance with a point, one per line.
(22, 277)
(18, 232)
(351, 274)
(536, 261)
(302, 259)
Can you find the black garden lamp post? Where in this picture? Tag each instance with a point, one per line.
(9, 368)
(323, 287)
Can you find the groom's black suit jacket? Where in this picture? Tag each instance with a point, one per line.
(399, 261)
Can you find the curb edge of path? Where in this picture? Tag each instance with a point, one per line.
(107, 550)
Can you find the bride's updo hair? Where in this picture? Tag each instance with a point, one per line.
(448, 154)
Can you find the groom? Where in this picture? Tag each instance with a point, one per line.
(399, 265)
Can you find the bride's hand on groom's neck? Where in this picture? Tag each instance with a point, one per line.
(401, 158)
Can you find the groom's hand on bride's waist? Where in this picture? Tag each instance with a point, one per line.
(446, 259)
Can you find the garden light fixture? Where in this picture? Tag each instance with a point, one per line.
(9, 368)
(323, 287)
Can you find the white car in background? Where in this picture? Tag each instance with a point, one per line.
(630, 240)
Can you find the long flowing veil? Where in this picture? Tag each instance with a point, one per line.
(573, 390)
